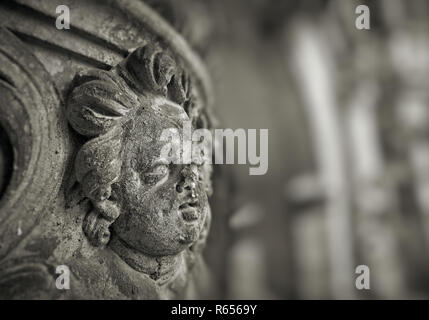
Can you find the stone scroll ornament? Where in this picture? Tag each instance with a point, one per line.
(33, 149)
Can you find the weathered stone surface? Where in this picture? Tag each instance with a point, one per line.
(81, 181)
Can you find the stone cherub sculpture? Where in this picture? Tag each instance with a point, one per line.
(83, 181)
(153, 215)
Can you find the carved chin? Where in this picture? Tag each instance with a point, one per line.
(191, 227)
(190, 235)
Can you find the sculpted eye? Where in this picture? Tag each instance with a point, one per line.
(158, 172)
(160, 169)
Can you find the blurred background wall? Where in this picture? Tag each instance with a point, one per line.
(348, 178)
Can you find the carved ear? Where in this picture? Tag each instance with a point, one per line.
(32, 144)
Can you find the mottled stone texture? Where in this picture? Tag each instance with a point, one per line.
(81, 181)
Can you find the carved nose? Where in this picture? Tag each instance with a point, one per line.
(189, 179)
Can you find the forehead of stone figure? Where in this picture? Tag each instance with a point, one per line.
(143, 132)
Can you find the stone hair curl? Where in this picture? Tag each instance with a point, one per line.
(99, 103)
(95, 110)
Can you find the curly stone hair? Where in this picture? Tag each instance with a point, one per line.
(98, 106)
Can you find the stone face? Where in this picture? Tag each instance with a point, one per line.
(85, 186)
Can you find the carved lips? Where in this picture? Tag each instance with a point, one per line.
(190, 210)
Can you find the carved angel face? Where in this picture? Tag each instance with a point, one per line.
(163, 206)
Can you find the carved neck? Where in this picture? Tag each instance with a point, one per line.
(161, 269)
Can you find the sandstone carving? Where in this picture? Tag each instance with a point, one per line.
(82, 182)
